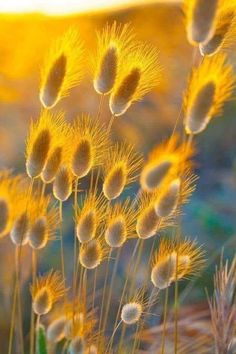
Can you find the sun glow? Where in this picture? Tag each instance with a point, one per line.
(58, 7)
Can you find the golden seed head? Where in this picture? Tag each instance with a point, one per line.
(198, 115)
(56, 330)
(210, 86)
(120, 168)
(76, 346)
(42, 302)
(201, 19)
(19, 231)
(114, 43)
(46, 291)
(152, 175)
(37, 158)
(52, 165)
(106, 75)
(116, 233)
(139, 73)
(62, 69)
(164, 271)
(82, 159)
(62, 184)
(147, 223)
(90, 254)
(38, 233)
(131, 313)
(50, 94)
(168, 201)
(114, 182)
(86, 226)
(122, 98)
(4, 215)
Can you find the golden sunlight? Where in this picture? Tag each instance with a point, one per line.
(67, 6)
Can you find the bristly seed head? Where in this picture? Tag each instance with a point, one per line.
(106, 76)
(38, 234)
(62, 185)
(39, 153)
(56, 329)
(163, 272)
(131, 313)
(168, 201)
(52, 165)
(19, 231)
(91, 254)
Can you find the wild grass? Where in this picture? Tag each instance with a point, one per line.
(77, 313)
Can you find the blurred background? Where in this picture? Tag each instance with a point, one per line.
(25, 38)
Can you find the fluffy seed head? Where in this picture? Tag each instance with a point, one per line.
(131, 313)
(186, 254)
(113, 44)
(120, 168)
(89, 216)
(88, 146)
(201, 19)
(62, 184)
(62, 69)
(38, 235)
(38, 156)
(210, 85)
(92, 254)
(224, 35)
(46, 291)
(168, 202)
(139, 74)
(52, 165)
(56, 330)
(120, 223)
(164, 160)
(19, 231)
(164, 272)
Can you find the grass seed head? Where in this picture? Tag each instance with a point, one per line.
(19, 231)
(138, 75)
(114, 42)
(56, 329)
(46, 291)
(38, 235)
(131, 313)
(120, 168)
(164, 271)
(147, 223)
(62, 69)
(210, 85)
(89, 144)
(92, 253)
(201, 18)
(62, 184)
(168, 202)
(52, 165)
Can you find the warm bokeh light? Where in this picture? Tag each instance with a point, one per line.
(67, 6)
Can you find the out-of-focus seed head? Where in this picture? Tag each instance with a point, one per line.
(201, 18)
(38, 233)
(19, 231)
(4, 215)
(56, 329)
(42, 302)
(62, 184)
(131, 313)
(76, 346)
